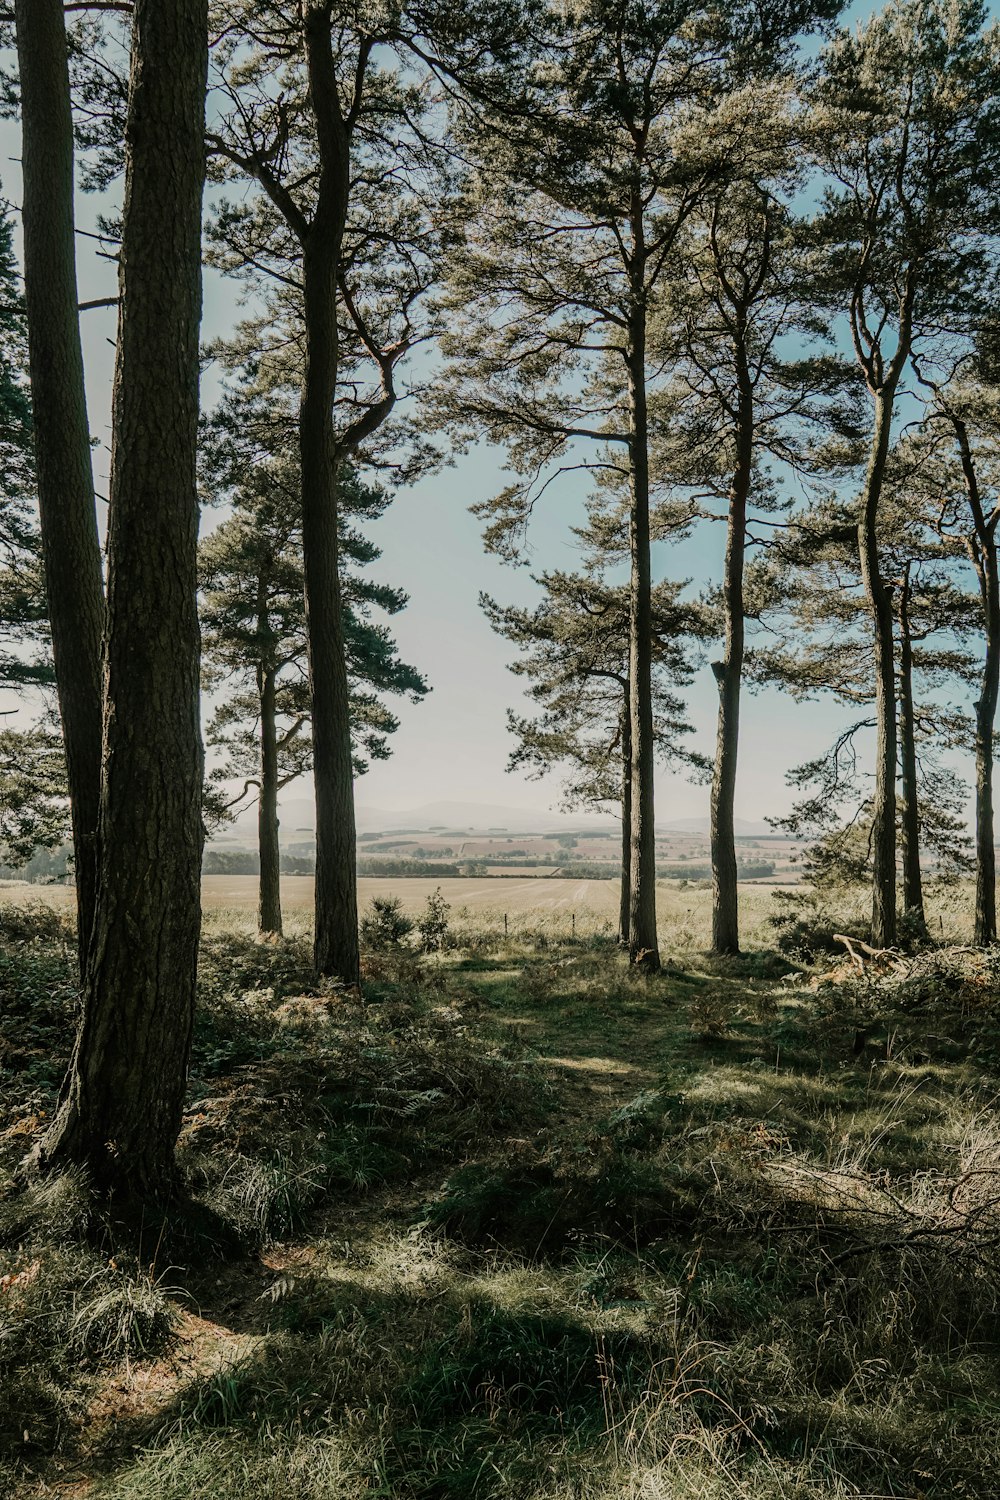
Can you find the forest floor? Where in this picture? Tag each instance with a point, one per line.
(524, 1225)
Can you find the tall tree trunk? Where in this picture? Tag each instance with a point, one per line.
(643, 945)
(269, 904)
(909, 811)
(729, 676)
(624, 906)
(986, 710)
(122, 1102)
(72, 553)
(336, 952)
(880, 606)
(982, 549)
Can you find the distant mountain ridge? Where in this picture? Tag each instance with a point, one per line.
(298, 817)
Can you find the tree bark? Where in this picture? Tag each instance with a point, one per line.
(336, 951)
(624, 906)
(642, 940)
(123, 1098)
(909, 811)
(269, 889)
(880, 606)
(986, 710)
(982, 548)
(71, 548)
(729, 676)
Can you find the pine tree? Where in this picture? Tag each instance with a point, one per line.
(255, 644)
(341, 223)
(585, 177)
(906, 119)
(68, 518)
(121, 1105)
(574, 652)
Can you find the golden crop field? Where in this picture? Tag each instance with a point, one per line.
(684, 910)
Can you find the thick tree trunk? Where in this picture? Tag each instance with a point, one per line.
(269, 904)
(336, 952)
(880, 605)
(122, 1102)
(909, 810)
(729, 676)
(642, 941)
(624, 905)
(72, 553)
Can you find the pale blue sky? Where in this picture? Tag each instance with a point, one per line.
(454, 745)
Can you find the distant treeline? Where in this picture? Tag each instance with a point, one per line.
(579, 870)
(247, 862)
(758, 869)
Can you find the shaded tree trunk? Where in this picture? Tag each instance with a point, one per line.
(909, 811)
(71, 548)
(122, 1102)
(624, 906)
(729, 677)
(642, 939)
(269, 903)
(986, 710)
(336, 952)
(982, 549)
(880, 606)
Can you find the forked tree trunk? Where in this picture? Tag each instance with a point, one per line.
(982, 549)
(72, 554)
(269, 904)
(909, 809)
(880, 606)
(729, 676)
(336, 952)
(121, 1108)
(642, 939)
(626, 884)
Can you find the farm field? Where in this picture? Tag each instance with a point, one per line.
(239, 892)
(684, 911)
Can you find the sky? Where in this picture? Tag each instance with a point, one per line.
(453, 746)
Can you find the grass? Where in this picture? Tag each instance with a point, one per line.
(522, 1224)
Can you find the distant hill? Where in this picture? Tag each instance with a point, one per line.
(744, 829)
(298, 816)
(298, 821)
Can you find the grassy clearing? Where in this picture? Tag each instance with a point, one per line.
(524, 1225)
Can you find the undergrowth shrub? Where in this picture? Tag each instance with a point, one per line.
(385, 924)
(37, 923)
(366, 1096)
(118, 1317)
(432, 925)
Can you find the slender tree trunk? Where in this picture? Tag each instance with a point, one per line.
(624, 906)
(729, 676)
(336, 952)
(880, 605)
(909, 810)
(982, 548)
(269, 905)
(123, 1098)
(643, 945)
(986, 710)
(72, 553)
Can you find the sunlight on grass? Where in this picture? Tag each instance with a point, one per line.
(522, 1224)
